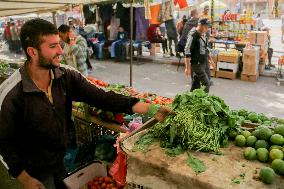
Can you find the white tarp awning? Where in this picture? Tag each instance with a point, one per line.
(16, 7)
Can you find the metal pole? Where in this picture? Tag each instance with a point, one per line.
(54, 18)
(131, 38)
(212, 10)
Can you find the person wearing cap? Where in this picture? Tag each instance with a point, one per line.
(205, 13)
(197, 55)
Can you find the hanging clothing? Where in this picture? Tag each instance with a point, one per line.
(155, 9)
(114, 24)
(97, 13)
(171, 34)
(141, 24)
(105, 12)
(171, 28)
(147, 9)
(166, 12)
(182, 3)
(124, 15)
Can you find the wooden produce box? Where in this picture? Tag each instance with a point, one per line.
(230, 59)
(226, 75)
(79, 178)
(251, 78)
(213, 72)
(250, 61)
(225, 66)
(156, 170)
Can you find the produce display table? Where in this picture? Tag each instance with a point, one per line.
(154, 169)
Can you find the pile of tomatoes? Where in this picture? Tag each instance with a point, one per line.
(97, 82)
(102, 183)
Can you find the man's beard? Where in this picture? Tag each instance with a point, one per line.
(46, 63)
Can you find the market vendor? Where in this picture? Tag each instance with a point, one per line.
(36, 108)
(197, 55)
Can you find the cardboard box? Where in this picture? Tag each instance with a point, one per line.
(81, 177)
(261, 68)
(250, 61)
(226, 75)
(258, 37)
(261, 37)
(251, 37)
(225, 66)
(230, 59)
(251, 78)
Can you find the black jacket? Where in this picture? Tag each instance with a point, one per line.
(197, 47)
(33, 132)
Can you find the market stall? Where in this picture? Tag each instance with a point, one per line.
(237, 48)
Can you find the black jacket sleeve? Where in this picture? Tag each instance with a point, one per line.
(84, 91)
(8, 137)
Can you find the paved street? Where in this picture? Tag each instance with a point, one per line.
(163, 79)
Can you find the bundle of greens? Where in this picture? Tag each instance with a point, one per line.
(4, 66)
(201, 122)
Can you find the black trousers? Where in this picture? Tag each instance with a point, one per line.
(171, 40)
(200, 76)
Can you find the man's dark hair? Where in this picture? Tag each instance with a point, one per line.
(64, 28)
(33, 31)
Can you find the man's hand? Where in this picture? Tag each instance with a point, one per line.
(159, 113)
(187, 72)
(162, 113)
(212, 64)
(29, 182)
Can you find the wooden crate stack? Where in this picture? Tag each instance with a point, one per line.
(260, 38)
(250, 64)
(227, 66)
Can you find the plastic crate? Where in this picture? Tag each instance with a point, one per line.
(80, 177)
(88, 136)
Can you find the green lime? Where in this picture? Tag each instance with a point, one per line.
(267, 175)
(251, 141)
(275, 154)
(250, 153)
(278, 166)
(233, 134)
(262, 154)
(277, 139)
(246, 134)
(279, 129)
(264, 133)
(261, 144)
(240, 141)
(275, 147)
(255, 133)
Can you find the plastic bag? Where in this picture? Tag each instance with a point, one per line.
(119, 169)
